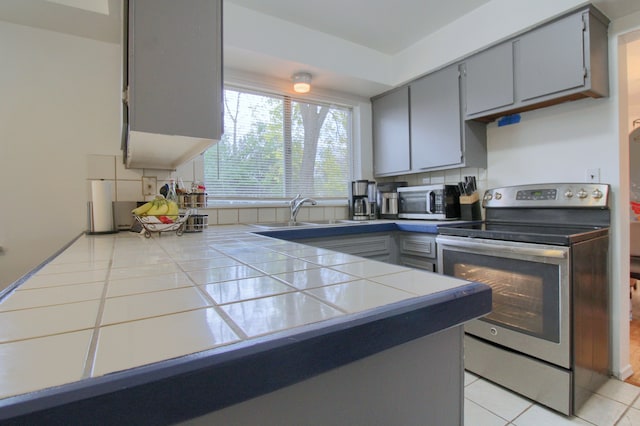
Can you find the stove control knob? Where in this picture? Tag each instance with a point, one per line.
(488, 196)
(597, 194)
(568, 193)
(582, 194)
(498, 196)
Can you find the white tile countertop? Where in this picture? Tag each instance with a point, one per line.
(112, 303)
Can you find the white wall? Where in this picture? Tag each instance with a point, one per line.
(59, 102)
(555, 144)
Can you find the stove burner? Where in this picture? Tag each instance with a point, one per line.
(525, 232)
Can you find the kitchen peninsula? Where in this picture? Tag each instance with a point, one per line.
(234, 326)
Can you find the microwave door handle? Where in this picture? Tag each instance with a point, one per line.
(431, 198)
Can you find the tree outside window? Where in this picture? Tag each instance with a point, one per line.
(275, 147)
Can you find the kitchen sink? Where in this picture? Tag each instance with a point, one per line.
(279, 224)
(307, 223)
(335, 222)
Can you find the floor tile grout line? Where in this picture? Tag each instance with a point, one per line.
(624, 413)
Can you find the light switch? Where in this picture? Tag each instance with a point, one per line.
(149, 185)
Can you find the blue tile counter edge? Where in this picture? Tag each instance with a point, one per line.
(324, 231)
(182, 388)
(327, 231)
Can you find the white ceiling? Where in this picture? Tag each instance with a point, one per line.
(385, 26)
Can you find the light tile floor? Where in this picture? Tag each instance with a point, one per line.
(615, 404)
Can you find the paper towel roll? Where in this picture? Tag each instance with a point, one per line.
(102, 206)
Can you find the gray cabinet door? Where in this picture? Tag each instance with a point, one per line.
(391, 133)
(489, 79)
(435, 120)
(174, 67)
(551, 58)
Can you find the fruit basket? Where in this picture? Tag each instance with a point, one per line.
(163, 223)
(161, 215)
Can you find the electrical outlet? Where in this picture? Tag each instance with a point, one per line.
(593, 175)
(149, 185)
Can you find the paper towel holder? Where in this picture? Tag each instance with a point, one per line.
(92, 228)
(100, 208)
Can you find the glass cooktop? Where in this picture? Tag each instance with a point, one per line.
(525, 232)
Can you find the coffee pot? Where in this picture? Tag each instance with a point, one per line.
(360, 204)
(361, 208)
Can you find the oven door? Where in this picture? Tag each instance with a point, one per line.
(530, 290)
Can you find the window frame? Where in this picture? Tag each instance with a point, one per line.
(318, 98)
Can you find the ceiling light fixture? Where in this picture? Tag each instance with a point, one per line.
(301, 82)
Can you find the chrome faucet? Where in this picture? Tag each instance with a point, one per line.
(295, 205)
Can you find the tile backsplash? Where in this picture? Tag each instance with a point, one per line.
(452, 176)
(128, 182)
(128, 186)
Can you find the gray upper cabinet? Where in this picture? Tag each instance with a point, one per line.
(556, 58)
(391, 133)
(565, 59)
(435, 120)
(173, 73)
(440, 137)
(420, 128)
(489, 79)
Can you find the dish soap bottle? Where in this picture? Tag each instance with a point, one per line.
(171, 192)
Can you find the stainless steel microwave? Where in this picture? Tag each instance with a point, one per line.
(435, 202)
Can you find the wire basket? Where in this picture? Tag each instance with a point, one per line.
(192, 200)
(160, 223)
(196, 223)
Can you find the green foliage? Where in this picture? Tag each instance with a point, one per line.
(250, 160)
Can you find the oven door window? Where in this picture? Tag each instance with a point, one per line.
(526, 294)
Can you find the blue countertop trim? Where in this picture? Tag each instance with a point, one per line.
(419, 226)
(425, 228)
(182, 388)
(328, 231)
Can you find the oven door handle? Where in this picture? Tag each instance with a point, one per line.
(494, 248)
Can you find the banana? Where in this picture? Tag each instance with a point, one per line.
(172, 213)
(143, 209)
(159, 206)
(155, 210)
(163, 209)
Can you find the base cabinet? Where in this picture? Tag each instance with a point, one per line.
(417, 250)
(376, 246)
(420, 382)
(414, 250)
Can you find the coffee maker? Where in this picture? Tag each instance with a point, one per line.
(387, 199)
(360, 206)
(371, 196)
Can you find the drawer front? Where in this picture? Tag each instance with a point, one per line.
(370, 246)
(422, 246)
(418, 263)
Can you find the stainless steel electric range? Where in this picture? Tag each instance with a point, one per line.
(543, 249)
